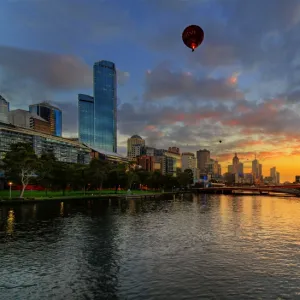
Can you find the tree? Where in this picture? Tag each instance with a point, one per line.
(62, 175)
(117, 176)
(20, 164)
(98, 171)
(155, 180)
(191, 175)
(132, 177)
(183, 179)
(80, 176)
(45, 169)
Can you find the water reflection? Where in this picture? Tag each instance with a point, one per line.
(10, 222)
(61, 209)
(238, 247)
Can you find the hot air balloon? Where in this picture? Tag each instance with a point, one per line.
(193, 36)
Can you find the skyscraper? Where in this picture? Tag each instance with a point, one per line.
(105, 106)
(255, 169)
(235, 164)
(86, 119)
(51, 114)
(203, 157)
(4, 109)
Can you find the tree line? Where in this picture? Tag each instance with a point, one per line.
(23, 167)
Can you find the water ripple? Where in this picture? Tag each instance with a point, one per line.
(205, 247)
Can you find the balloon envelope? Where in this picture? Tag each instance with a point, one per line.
(193, 36)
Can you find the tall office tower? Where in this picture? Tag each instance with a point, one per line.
(105, 106)
(240, 169)
(277, 177)
(235, 163)
(273, 174)
(203, 157)
(4, 109)
(86, 119)
(260, 174)
(49, 113)
(255, 169)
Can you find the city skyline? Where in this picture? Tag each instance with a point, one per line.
(241, 86)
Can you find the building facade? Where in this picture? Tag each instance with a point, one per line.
(86, 119)
(170, 162)
(105, 106)
(203, 157)
(135, 146)
(49, 113)
(64, 150)
(4, 109)
(188, 161)
(146, 162)
(235, 163)
(26, 119)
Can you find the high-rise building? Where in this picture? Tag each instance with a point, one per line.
(240, 169)
(170, 163)
(212, 168)
(188, 161)
(235, 163)
(4, 109)
(26, 119)
(49, 113)
(135, 146)
(277, 177)
(105, 106)
(260, 174)
(273, 172)
(203, 157)
(86, 119)
(255, 169)
(219, 170)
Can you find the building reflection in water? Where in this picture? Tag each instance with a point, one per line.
(62, 210)
(34, 211)
(10, 223)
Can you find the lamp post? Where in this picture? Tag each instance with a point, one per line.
(10, 184)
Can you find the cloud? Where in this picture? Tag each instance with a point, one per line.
(122, 77)
(53, 71)
(268, 46)
(162, 83)
(28, 76)
(267, 124)
(70, 24)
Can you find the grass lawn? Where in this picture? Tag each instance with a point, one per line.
(42, 194)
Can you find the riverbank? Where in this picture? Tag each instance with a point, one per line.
(134, 195)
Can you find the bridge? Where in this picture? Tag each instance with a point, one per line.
(263, 189)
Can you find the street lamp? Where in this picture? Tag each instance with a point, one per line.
(10, 184)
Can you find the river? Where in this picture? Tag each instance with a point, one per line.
(194, 247)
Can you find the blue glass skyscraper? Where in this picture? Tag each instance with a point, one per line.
(105, 106)
(51, 114)
(86, 119)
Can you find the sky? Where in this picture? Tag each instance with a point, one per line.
(241, 86)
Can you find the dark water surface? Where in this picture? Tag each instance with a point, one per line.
(196, 247)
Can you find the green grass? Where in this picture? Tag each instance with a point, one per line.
(42, 194)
